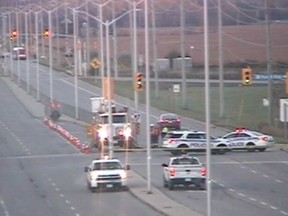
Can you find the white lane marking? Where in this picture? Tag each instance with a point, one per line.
(266, 176)
(253, 171)
(61, 195)
(241, 194)
(255, 200)
(67, 201)
(264, 203)
(231, 189)
(222, 185)
(252, 199)
(6, 213)
(19, 142)
(279, 181)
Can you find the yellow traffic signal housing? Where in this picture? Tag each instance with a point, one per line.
(247, 76)
(46, 33)
(14, 35)
(139, 82)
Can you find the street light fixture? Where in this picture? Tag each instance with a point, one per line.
(107, 24)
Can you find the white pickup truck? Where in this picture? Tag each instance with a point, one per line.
(184, 171)
(106, 173)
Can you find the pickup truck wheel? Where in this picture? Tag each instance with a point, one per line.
(202, 186)
(171, 186)
(89, 187)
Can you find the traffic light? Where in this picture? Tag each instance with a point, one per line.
(246, 76)
(46, 33)
(139, 82)
(14, 35)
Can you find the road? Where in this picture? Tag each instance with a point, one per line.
(243, 183)
(41, 174)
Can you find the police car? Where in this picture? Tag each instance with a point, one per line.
(179, 142)
(243, 138)
(107, 173)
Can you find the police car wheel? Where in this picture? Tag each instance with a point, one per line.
(222, 150)
(261, 149)
(250, 147)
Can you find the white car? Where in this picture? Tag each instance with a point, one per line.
(106, 173)
(250, 140)
(179, 142)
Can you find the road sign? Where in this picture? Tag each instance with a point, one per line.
(176, 88)
(271, 76)
(95, 63)
(136, 117)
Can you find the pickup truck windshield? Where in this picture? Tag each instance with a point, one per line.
(185, 161)
(107, 166)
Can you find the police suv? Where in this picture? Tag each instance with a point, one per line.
(243, 138)
(106, 173)
(179, 142)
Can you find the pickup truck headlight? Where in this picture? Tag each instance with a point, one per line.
(93, 176)
(123, 175)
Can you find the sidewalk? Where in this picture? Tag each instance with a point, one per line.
(138, 186)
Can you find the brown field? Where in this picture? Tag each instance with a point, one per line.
(240, 43)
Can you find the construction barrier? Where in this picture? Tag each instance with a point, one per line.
(67, 136)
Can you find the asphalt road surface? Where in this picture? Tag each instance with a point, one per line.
(41, 174)
(249, 184)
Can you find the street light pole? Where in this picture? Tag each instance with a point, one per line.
(147, 75)
(109, 89)
(154, 47)
(207, 108)
(115, 42)
(11, 47)
(50, 57)
(269, 61)
(135, 59)
(221, 72)
(18, 44)
(37, 55)
(75, 32)
(27, 60)
(183, 68)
